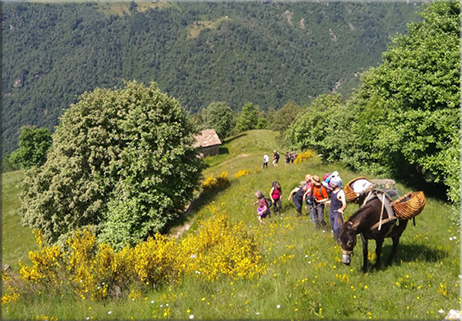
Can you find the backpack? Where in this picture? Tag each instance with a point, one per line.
(269, 203)
(311, 198)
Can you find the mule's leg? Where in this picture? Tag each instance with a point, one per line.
(364, 253)
(393, 249)
(398, 231)
(378, 251)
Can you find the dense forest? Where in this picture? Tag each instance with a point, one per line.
(266, 53)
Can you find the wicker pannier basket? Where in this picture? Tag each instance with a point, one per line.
(409, 206)
(350, 194)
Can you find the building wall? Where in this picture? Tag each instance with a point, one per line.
(210, 151)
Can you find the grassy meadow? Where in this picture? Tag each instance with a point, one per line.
(304, 278)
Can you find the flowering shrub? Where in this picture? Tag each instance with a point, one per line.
(220, 248)
(47, 263)
(208, 183)
(211, 183)
(10, 294)
(242, 172)
(95, 272)
(303, 157)
(222, 180)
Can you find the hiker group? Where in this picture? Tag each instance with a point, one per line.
(289, 157)
(312, 194)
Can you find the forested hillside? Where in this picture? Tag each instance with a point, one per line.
(236, 52)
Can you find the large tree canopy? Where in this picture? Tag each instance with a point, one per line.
(284, 117)
(121, 161)
(34, 144)
(248, 119)
(219, 116)
(405, 115)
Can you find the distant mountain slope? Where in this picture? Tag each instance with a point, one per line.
(197, 52)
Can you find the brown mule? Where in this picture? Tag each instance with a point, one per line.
(367, 222)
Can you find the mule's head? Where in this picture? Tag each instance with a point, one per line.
(347, 241)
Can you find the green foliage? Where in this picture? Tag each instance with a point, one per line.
(323, 127)
(405, 117)
(423, 279)
(34, 144)
(248, 118)
(197, 121)
(7, 165)
(219, 116)
(52, 53)
(262, 123)
(284, 117)
(121, 161)
(411, 102)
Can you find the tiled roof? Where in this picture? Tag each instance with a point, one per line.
(207, 138)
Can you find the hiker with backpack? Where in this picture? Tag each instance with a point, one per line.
(287, 157)
(293, 156)
(265, 161)
(276, 194)
(326, 179)
(337, 205)
(263, 209)
(275, 158)
(297, 197)
(320, 197)
(307, 197)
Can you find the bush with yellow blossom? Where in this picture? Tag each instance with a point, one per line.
(211, 182)
(217, 249)
(242, 172)
(303, 157)
(220, 248)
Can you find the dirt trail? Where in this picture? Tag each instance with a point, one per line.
(233, 159)
(179, 230)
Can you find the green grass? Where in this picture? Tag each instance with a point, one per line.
(17, 240)
(305, 278)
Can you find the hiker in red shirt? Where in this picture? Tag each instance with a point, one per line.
(275, 194)
(320, 197)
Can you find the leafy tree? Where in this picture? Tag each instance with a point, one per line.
(405, 116)
(197, 121)
(322, 127)
(410, 104)
(34, 144)
(121, 161)
(248, 118)
(285, 116)
(262, 123)
(219, 116)
(262, 119)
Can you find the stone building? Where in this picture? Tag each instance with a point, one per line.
(207, 142)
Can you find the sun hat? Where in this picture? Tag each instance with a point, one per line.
(316, 180)
(336, 181)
